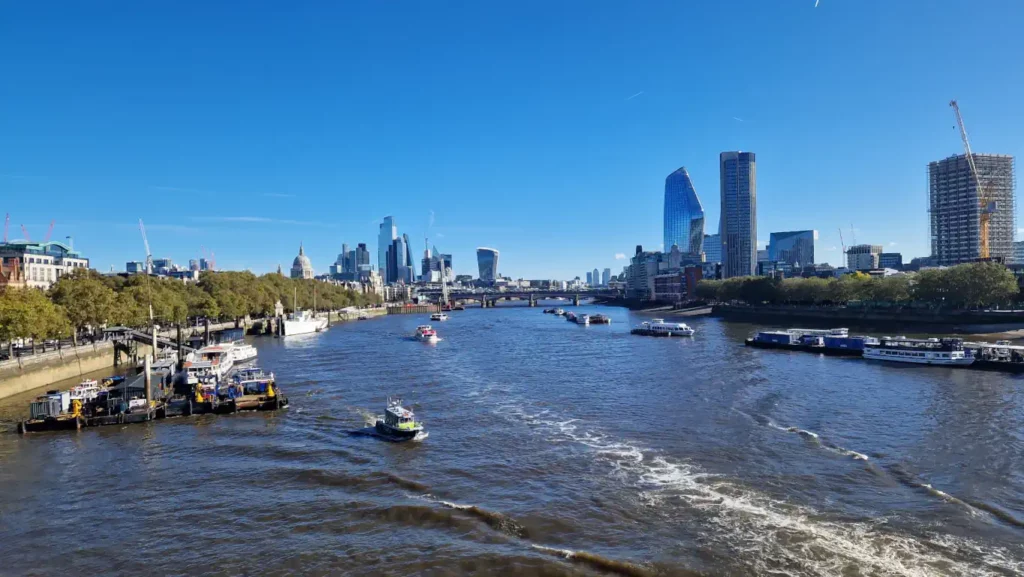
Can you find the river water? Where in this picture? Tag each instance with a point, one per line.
(553, 449)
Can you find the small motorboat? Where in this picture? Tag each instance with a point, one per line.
(85, 391)
(600, 320)
(583, 319)
(458, 308)
(559, 313)
(438, 317)
(549, 311)
(398, 422)
(426, 333)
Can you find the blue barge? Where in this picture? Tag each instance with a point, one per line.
(825, 341)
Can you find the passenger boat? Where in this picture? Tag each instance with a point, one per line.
(216, 360)
(600, 320)
(398, 422)
(948, 351)
(242, 352)
(426, 333)
(659, 328)
(438, 317)
(302, 323)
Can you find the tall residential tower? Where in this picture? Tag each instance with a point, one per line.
(955, 209)
(738, 224)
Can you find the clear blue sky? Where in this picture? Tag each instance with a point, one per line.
(544, 129)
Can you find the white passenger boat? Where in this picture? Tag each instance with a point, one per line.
(426, 333)
(212, 361)
(948, 352)
(242, 352)
(659, 328)
(301, 323)
(438, 317)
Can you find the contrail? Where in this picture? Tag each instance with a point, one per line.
(816, 3)
(635, 95)
(737, 119)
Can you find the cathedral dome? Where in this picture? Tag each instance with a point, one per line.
(301, 267)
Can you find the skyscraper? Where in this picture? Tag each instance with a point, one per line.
(955, 209)
(597, 277)
(388, 232)
(487, 261)
(793, 247)
(738, 225)
(713, 247)
(684, 215)
(606, 277)
(590, 279)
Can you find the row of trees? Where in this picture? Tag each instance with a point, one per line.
(963, 286)
(89, 299)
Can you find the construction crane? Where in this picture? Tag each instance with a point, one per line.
(149, 254)
(24, 232)
(49, 232)
(841, 242)
(986, 204)
(7, 225)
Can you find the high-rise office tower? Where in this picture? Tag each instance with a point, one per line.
(388, 232)
(955, 208)
(684, 215)
(606, 277)
(597, 277)
(794, 247)
(738, 225)
(713, 247)
(487, 262)
(590, 279)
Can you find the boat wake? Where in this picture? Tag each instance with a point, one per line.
(772, 536)
(509, 526)
(596, 561)
(811, 436)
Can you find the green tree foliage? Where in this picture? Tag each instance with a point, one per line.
(963, 286)
(87, 299)
(30, 313)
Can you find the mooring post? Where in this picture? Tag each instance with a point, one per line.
(206, 335)
(149, 383)
(154, 343)
(180, 357)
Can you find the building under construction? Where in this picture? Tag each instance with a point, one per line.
(955, 208)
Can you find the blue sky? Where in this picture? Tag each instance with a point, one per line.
(543, 129)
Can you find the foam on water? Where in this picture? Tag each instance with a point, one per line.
(775, 537)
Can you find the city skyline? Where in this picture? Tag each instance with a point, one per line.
(243, 166)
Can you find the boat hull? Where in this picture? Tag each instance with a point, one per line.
(397, 434)
(837, 352)
(1000, 366)
(965, 362)
(302, 327)
(650, 333)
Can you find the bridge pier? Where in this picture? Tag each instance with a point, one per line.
(533, 300)
(576, 300)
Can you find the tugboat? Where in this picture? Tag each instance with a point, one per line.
(426, 333)
(398, 422)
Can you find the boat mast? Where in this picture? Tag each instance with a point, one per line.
(295, 300)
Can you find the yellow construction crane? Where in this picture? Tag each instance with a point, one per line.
(986, 205)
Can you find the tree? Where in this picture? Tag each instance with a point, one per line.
(88, 300)
(758, 290)
(891, 289)
(707, 289)
(29, 313)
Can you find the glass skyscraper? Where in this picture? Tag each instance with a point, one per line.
(794, 247)
(388, 233)
(713, 247)
(684, 215)
(487, 260)
(738, 225)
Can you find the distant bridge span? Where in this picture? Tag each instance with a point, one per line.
(489, 299)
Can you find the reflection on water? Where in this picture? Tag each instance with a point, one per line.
(554, 449)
